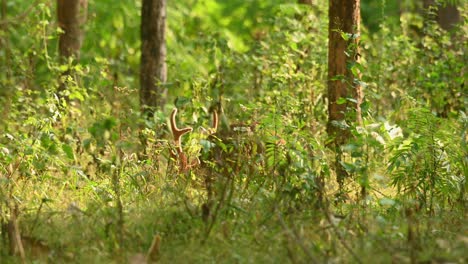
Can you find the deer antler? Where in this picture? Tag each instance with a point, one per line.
(214, 124)
(179, 154)
(178, 133)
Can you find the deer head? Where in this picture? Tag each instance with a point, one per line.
(178, 154)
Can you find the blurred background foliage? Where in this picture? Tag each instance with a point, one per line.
(267, 62)
(202, 37)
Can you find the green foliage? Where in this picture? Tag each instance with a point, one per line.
(374, 13)
(93, 181)
(425, 165)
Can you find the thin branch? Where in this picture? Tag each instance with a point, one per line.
(297, 239)
(340, 237)
(19, 18)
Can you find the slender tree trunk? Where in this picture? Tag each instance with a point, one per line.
(306, 2)
(71, 18)
(153, 72)
(344, 94)
(5, 43)
(447, 15)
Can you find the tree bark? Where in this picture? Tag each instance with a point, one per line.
(71, 18)
(344, 93)
(447, 15)
(344, 17)
(306, 2)
(153, 72)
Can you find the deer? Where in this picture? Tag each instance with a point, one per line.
(217, 156)
(186, 163)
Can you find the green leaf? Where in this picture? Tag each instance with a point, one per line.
(182, 101)
(340, 124)
(109, 123)
(355, 70)
(235, 43)
(76, 95)
(68, 150)
(349, 167)
(341, 101)
(338, 78)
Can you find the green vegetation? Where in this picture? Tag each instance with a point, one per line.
(92, 181)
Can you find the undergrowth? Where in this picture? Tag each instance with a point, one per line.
(90, 180)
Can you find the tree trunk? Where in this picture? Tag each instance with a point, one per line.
(153, 72)
(306, 2)
(71, 18)
(447, 15)
(344, 93)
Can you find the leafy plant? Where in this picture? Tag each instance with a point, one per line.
(420, 164)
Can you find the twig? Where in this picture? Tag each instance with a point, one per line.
(19, 18)
(340, 237)
(297, 239)
(217, 210)
(37, 216)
